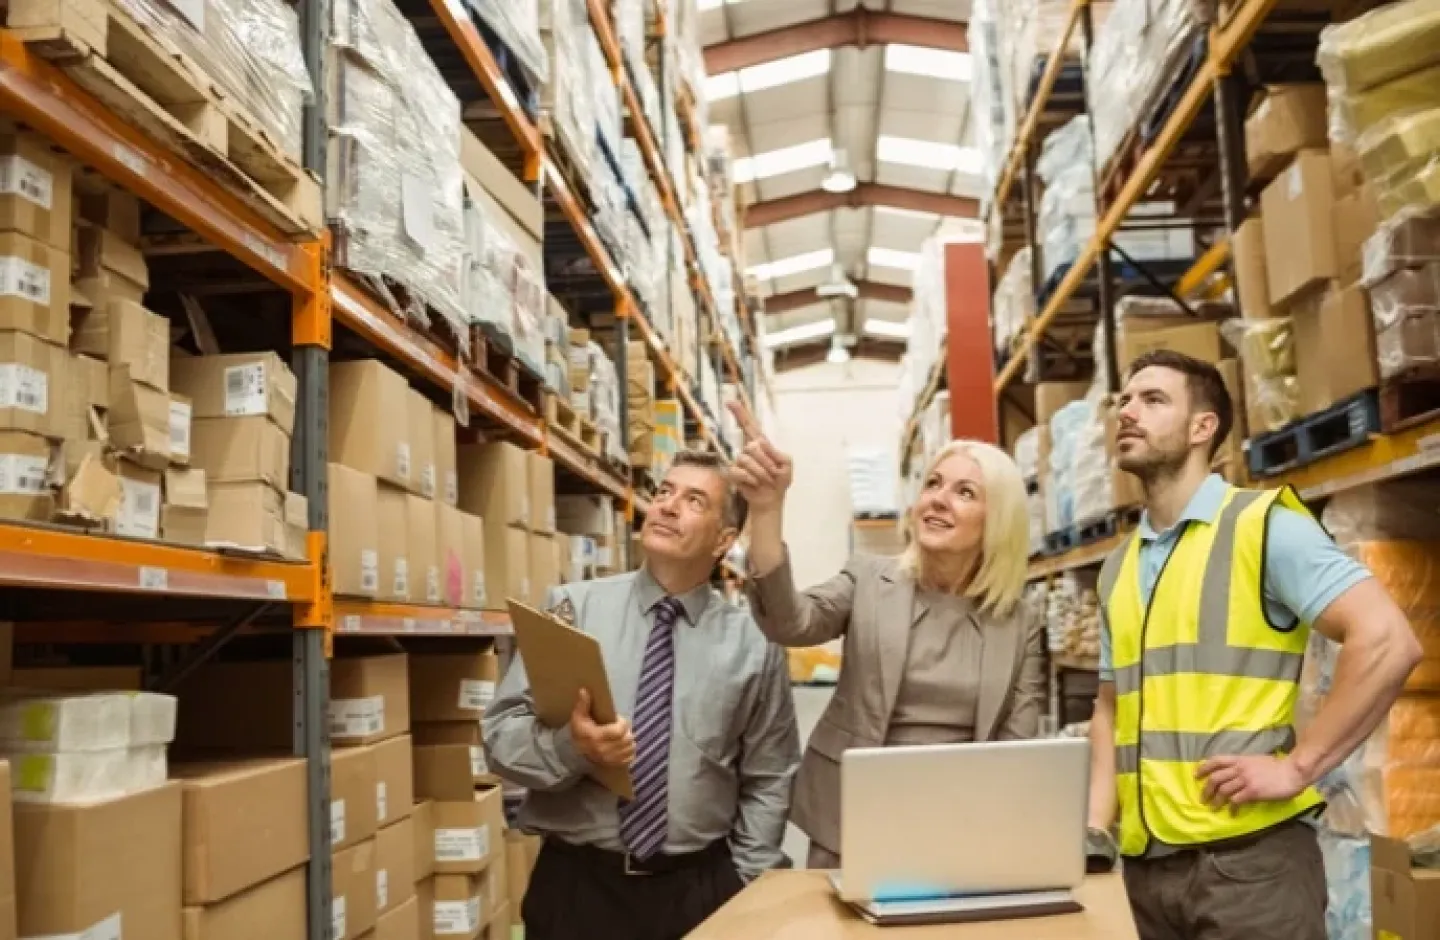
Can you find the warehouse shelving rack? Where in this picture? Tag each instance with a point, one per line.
(164, 594)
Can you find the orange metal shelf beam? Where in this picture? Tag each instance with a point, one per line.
(54, 558)
(361, 617)
(43, 97)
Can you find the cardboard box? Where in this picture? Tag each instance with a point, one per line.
(393, 518)
(1247, 258)
(238, 385)
(402, 923)
(102, 252)
(181, 413)
(1201, 340)
(34, 288)
(297, 526)
(353, 891)
(140, 340)
(32, 374)
(1290, 118)
(454, 686)
(243, 822)
(472, 531)
(113, 209)
(460, 910)
(1299, 227)
(450, 554)
(139, 515)
(1356, 217)
(497, 893)
(275, 910)
(394, 779)
(185, 512)
(1334, 348)
(468, 835)
(354, 537)
(36, 199)
(24, 477)
(421, 431)
(446, 457)
(354, 783)
(544, 568)
(241, 450)
(96, 866)
(495, 483)
(101, 287)
(501, 185)
(425, 895)
(1405, 901)
(422, 544)
(507, 565)
(394, 865)
(542, 493)
(422, 821)
(1050, 397)
(369, 698)
(369, 420)
(448, 773)
(139, 420)
(247, 515)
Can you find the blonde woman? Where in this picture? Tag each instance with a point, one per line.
(938, 648)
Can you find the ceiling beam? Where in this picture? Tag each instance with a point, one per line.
(813, 352)
(860, 28)
(869, 290)
(771, 211)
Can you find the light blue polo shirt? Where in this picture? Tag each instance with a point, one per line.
(1304, 569)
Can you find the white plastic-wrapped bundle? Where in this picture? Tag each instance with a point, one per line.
(1027, 453)
(1067, 210)
(1014, 303)
(397, 191)
(994, 121)
(605, 398)
(250, 48)
(517, 23)
(502, 285)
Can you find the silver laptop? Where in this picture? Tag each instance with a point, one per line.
(962, 832)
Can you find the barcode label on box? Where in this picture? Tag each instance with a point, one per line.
(133, 160)
(20, 177)
(479, 767)
(427, 481)
(337, 918)
(139, 509)
(24, 388)
(479, 589)
(179, 429)
(245, 390)
(462, 845)
(402, 578)
(452, 488)
(382, 888)
(402, 460)
(369, 571)
(20, 278)
(432, 585)
(276, 590)
(22, 474)
(457, 917)
(337, 822)
(382, 800)
(476, 694)
(154, 579)
(357, 717)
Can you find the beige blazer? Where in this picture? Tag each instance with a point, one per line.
(871, 603)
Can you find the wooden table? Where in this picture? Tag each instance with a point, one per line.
(801, 905)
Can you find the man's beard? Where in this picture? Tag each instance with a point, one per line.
(1156, 463)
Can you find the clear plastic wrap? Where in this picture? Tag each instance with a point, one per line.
(397, 193)
(1405, 307)
(1394, 40)
(994, 120)
(1014, 302)
(250, 48)
(517, 23)
(1027, 453)
(1347, 881)
(1272, 391)
(1067, 210)
(1078, 488)
(1408, 239)
(605, 401)
(502, 285)
(1356, 114)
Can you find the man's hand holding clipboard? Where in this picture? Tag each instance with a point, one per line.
(568, 685)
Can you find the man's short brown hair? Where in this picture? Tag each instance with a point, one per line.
(735, 508)
(1203, 382)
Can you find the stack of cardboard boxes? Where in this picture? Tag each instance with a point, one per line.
(640, 406)
(593, 527)
(513, 490)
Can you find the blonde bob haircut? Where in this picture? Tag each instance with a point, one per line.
(1005, 545)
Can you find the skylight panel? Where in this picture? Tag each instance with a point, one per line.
(795, 264)
(887, 329)
(755, 78)
(929, 63)
(929, 154)
(785, 160)
(799, 334)
(890, 258)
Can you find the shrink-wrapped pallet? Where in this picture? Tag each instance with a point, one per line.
(517, 24)
(1014, 303)
(1067, 210)
(1272, 390)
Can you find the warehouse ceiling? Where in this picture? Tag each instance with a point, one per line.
(886, 82)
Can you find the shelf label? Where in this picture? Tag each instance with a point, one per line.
(337, 822)
(20, 177)
(407, 624)
(445, 626)
(132, 159)
(154, 579)
(276, 590)
(350, 623)
(337, 918)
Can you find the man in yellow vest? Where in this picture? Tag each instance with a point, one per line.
(1198, 779)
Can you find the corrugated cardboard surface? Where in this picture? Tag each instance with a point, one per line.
(446, 470)
(544, 568)
(371, 678)
(472, 530)
(403, 923)
(85, 864)
(422, 824)
(354, 776)
(27, 493)
(425, 895)
(353, 893)
(1050, 397)
(542, 493)
(237, 385)
(452, 686)
(444, 772)
(354, 538)
(1299, 227)
(495, 483)
(1247, 256)
(421, 432)
(1334, 348)
(463, 895)
(394, 779)
(244, 823)
(1201, 340)
(239, 450)
(275, 910)
(469, 834)
(247, 515)
(422, 543)
(507, 565)
(1405, 901)
(369, 415)
(1290, 118)
(50, 365)
(47, 271)
(394, 865)
(47, 211)
(450, 554)
(392, 518)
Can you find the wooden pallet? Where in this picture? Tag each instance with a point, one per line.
(1409, 399)
(1342, 426)
(1095, 530)
(169, 97)
(493, 354)
(567, 424)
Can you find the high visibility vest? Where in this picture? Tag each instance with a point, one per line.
(1200, 672)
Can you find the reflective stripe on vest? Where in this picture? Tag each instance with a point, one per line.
(1205, 671)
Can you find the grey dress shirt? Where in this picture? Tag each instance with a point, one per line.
(734, 746)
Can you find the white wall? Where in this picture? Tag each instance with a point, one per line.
(820, 413)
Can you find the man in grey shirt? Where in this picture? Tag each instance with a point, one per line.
(710, 737)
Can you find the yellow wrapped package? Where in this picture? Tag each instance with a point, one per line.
(1267, 349)
(1403, 143)
(1410, 573)
(1382, 45)
(1400, 782)
(1357, 113)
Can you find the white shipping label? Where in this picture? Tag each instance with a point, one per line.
(402, 577)
(476, 694)
(369, 571)
(462, 845)
(417, 211)
(382, 889)
(337, 918)
(22, 178)
(402, 460)
(179, 429)
(432, 585)
(24, 388)
(357, 717)
(457, 917)
(245, 388)
(427, 481)
(139, 509)
(382, 801)
(452, 488)
(479, 589)
(479, 766)
(337, 822)
(22, 474)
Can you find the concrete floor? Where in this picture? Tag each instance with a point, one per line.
(810, 702)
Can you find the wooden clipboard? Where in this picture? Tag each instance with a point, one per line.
(560, 661)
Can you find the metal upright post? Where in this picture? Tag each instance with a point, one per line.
(1103, 272)
(1230, 136)
(624, 311)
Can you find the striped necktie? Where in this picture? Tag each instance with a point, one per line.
(644, 821)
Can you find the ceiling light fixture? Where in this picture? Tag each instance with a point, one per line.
(840, 179)
(838, 354)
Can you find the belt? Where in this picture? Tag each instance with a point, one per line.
(627, 864)
(1160, 851)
